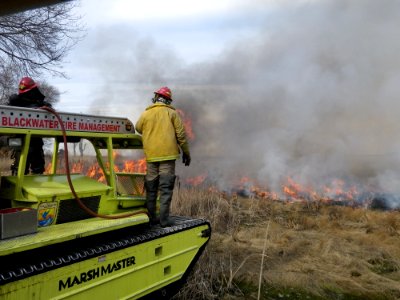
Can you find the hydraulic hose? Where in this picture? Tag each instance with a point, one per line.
(68, 173)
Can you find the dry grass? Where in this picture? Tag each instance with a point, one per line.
(313, 250)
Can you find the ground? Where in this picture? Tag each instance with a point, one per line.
(303, 250)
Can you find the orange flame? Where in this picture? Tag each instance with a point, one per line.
(187, 122)
(95, 171)
(77, 167)
(291, 190)
(132, 166)
(196, 181)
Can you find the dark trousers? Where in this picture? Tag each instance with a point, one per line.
(160, 177)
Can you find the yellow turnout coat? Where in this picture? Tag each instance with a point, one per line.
(162, 133)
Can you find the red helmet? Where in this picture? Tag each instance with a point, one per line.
(26, 84)
(165, 92)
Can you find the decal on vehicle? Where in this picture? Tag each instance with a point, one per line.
(47, 212)
(96, 273)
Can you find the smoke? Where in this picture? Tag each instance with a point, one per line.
(313, 94)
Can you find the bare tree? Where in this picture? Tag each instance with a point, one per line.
(8, 82)
(38, 40)
(34, 42)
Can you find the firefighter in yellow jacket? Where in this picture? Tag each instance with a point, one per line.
(163, 136)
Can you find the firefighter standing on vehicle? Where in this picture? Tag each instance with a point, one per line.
(30, 96)
(163, 133)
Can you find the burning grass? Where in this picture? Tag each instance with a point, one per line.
(312, 250)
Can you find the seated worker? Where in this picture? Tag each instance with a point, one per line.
(30, 96)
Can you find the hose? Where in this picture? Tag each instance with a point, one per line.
(68, 173)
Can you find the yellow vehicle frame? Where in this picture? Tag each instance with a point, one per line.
(85, 257)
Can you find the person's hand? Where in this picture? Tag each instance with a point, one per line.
(186, 159)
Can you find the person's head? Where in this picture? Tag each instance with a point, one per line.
(26, 84)
(163, 95)
(29, 90)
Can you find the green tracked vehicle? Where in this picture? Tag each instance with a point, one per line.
(69, 236)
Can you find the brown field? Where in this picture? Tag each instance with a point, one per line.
(266, 249)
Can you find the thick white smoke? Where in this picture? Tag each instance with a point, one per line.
(314, 94)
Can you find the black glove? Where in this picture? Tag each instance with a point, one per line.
(186, 159)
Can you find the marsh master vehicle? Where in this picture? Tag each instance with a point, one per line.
(65, 235)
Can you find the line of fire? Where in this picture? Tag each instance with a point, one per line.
(338, 191)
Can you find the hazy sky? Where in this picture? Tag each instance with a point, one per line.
(188, 31)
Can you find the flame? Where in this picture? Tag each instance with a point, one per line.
(187, 122)
(47, 169)
(294, 190)
(196, 181)
(291, 190)
(115, 155)
(250, 187)
(132, 166)
(337, 190)
(95, 171)
(77, 167)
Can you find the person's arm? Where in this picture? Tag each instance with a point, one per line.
(139, 125)
(181, 139)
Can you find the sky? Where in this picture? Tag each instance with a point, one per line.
(188, 31)
(307, 89)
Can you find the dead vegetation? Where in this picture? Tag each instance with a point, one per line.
(309, 251)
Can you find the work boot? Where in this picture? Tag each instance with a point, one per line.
(151, 199)
(167, 183)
